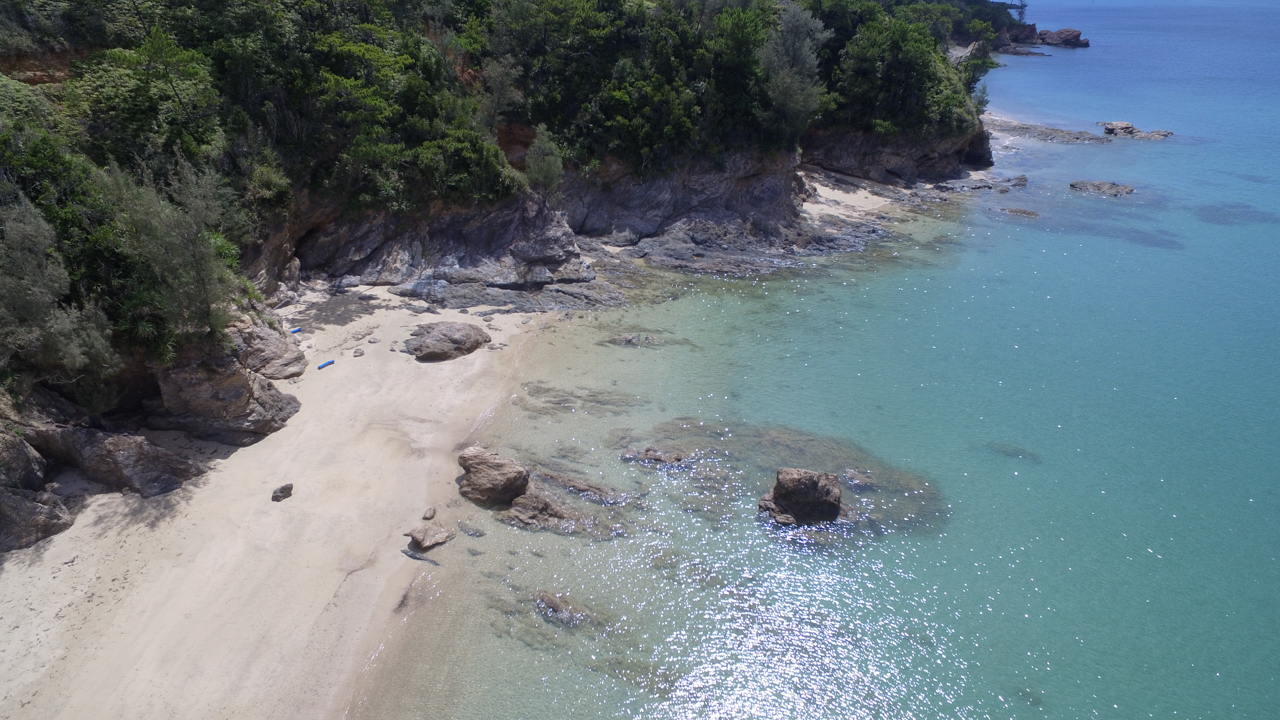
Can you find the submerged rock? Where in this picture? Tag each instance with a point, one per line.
(435, 342)
(801, 497)
(1124, 129)
(1104, 188)
(655, 456)
(428, 535)
(1021, 212)
(490, 478)
(858, 480)
(584, 489)
(559, 609)
(635, 340)
(1043, 133)
(27, 517)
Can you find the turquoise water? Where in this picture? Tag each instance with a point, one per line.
(1091, 394)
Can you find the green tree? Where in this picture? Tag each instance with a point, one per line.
(544, 164)
(790, 63)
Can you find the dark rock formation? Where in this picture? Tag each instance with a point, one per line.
(893, 160)
(635, 340)
(429, 514)
(217, 398)
(801, 497)
(1127, 130)
(435, 342)
(282, 493)
(490, 478)
(584, 489)
(559, 609)
(859, 481)
(538, 509)
(1043, 133)
(122, 462)
(27, 517)
(1065, 37)
(428, 535)
(265, 350)
(20, 465)
(1104, 188)
(1026, 34)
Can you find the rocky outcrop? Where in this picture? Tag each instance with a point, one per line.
(27, 517)
(1127, 130)
(436, 342)
(214, 397)
(801, 497)
(266, 350)
(559, 609)
(1104, 188)
(20, 465)
(1044, 133)
(756, 186)
(121, 462)
(893, 160)
(428, 535)
(1065, 37)
(490, 479)
(1026, 34)
(539, 509)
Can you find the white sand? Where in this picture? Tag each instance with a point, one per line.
(213, 601)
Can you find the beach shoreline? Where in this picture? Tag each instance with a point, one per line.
(213, 601)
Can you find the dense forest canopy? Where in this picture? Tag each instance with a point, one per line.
(129, 185)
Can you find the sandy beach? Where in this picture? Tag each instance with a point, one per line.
(213, 601)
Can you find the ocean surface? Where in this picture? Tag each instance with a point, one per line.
(1073, 422)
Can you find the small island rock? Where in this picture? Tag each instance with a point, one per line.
(803, 496)
(1124, 129)
(435, 342)
(1065, 37)
(490, 478)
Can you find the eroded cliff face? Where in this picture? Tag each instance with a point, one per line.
(526, 254)
(895, 160)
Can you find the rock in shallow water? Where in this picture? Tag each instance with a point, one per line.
(428, 535)
(801, 497)
(490, 478)
(1105, 188)
(434, 342)
(1125, 129)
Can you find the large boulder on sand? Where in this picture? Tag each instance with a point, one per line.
(217, 398)
(266, 350)
(123, 462)
(490, 478)
(803, 496)
(434, 342)
(1104, 188)
(28, 517)
(20, 465)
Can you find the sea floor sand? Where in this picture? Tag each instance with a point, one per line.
(213, 601)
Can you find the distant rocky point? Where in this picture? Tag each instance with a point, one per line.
(1104, 188)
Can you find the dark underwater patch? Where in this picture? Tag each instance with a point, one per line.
(1235, 213)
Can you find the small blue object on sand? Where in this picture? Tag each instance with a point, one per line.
(325, 364)
(295, 331)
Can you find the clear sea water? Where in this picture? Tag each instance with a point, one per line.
(1092, 394)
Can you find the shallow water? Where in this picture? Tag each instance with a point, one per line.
(1090, 397)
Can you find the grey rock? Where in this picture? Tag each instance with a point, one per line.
(1127, 130)
(27, 517)
(121, 462)
(435, 342)
(20, 465)
(266, 350)
(1104, 188)
(802, 497)
(282, 493)
(893, 160)
(1065, 37)
(217, 398)
(859, 481)
(358, 352)
(1043, 133)
(490, 478)
(559, 609)
(429, 514)
(538, 509)
(655, 456)
(585, 489)
(428, 535)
